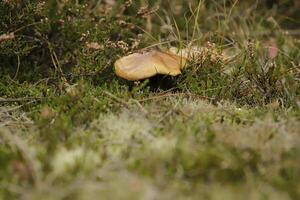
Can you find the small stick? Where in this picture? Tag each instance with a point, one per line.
(116, 98)
(140, 106)
(166, 95)
(11, 100)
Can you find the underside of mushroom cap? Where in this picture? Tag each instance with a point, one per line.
(139, 66)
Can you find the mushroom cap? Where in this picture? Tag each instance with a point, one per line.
(139, 66)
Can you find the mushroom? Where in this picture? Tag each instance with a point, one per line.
(139, 66)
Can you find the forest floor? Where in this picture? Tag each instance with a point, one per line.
(228, 127)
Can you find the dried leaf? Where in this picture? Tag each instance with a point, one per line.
(272, 49)
(94, 46)
(7, 36)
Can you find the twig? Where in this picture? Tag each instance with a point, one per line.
(3, 110)
(56, 63)
(168, 113)
(26, 26)
(162, 96)
(116, 99)
(24, 99)
(14, 124)
(140, 106)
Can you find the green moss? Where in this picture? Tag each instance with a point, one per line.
(71, 129)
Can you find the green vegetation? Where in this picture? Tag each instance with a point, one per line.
(227, 128)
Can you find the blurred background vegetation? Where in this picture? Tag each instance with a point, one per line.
(57, 40)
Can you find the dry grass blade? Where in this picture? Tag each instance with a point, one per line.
(18, 100)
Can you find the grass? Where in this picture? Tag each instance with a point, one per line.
(227, 126)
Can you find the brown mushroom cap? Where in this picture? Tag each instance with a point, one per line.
(139, 66)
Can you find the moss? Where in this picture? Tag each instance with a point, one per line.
(70, 129)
